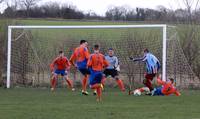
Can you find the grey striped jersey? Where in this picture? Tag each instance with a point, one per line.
(113, 62)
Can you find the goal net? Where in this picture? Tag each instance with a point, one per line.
(31, 49)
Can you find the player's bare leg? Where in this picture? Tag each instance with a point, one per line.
(84, 85)
(98, 87)
(69, 83)
(120, 84)
(53, 82)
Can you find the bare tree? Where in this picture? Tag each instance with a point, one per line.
(51, 9)
(191, 7)
(29, 4)
(1, 1)
(190, 38)
(11, 9)
(12, 3)
(116, 13)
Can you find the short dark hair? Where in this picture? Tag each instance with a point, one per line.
(82, 41)
(146, 50)
(96, 47)
(60, 52)
(172, 80)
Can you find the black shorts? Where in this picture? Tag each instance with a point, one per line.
(84, 71)
(111, 72)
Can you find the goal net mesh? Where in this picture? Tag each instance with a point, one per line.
(34, 49)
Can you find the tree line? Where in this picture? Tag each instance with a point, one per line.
(30, 9)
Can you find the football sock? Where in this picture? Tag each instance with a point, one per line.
(70, 83)
(99, 93)
(103, 81)
(53, 82)
(120, 84)
(84, 83)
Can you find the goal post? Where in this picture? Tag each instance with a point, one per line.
(162, 26)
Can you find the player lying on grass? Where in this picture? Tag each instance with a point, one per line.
(152, 67)
(96, 64)
(60, 66)
(113, 69)
(166, 88)
(79, 59)
(141, 90)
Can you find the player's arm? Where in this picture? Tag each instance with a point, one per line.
(52, 65)
(89, 63)
(105, 62)
(67, 64)
(72, 59)
(87, 54)
(159, 81)
(138, 59)
(116, 63)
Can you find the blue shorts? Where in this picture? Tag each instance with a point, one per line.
(95, 77)
(61, 72)
(84, 71)
(158, 91)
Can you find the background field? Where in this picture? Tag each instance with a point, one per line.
(40, 103)
(28, 103)
(30, 97)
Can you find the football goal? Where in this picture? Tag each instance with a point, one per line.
(32, 48)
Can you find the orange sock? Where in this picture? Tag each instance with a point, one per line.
(103, 81)
(84, 83)
(95, 86)
(70, 83)
(53, 82)
(120, 84)
(99, 93)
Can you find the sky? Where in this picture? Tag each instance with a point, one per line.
(100, 6)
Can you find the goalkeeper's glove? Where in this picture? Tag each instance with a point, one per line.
(52, 73)
(131, 58)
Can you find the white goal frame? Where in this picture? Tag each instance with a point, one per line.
(163, 26)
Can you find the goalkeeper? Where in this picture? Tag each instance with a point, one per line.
(113, 69)
(60, 66)
(152, 67)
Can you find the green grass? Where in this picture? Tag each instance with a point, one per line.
(21, 103)
(68, 22)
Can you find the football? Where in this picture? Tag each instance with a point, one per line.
(137, 92)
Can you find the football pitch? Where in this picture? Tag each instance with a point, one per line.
(32, 103)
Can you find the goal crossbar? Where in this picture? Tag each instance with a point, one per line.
(89, 27)
(164, 38)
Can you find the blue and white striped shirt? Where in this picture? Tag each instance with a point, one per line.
(152, 63)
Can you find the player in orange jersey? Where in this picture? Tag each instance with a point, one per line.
(60, 66)
(96, 64)
(167, 88)
(79, 59)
